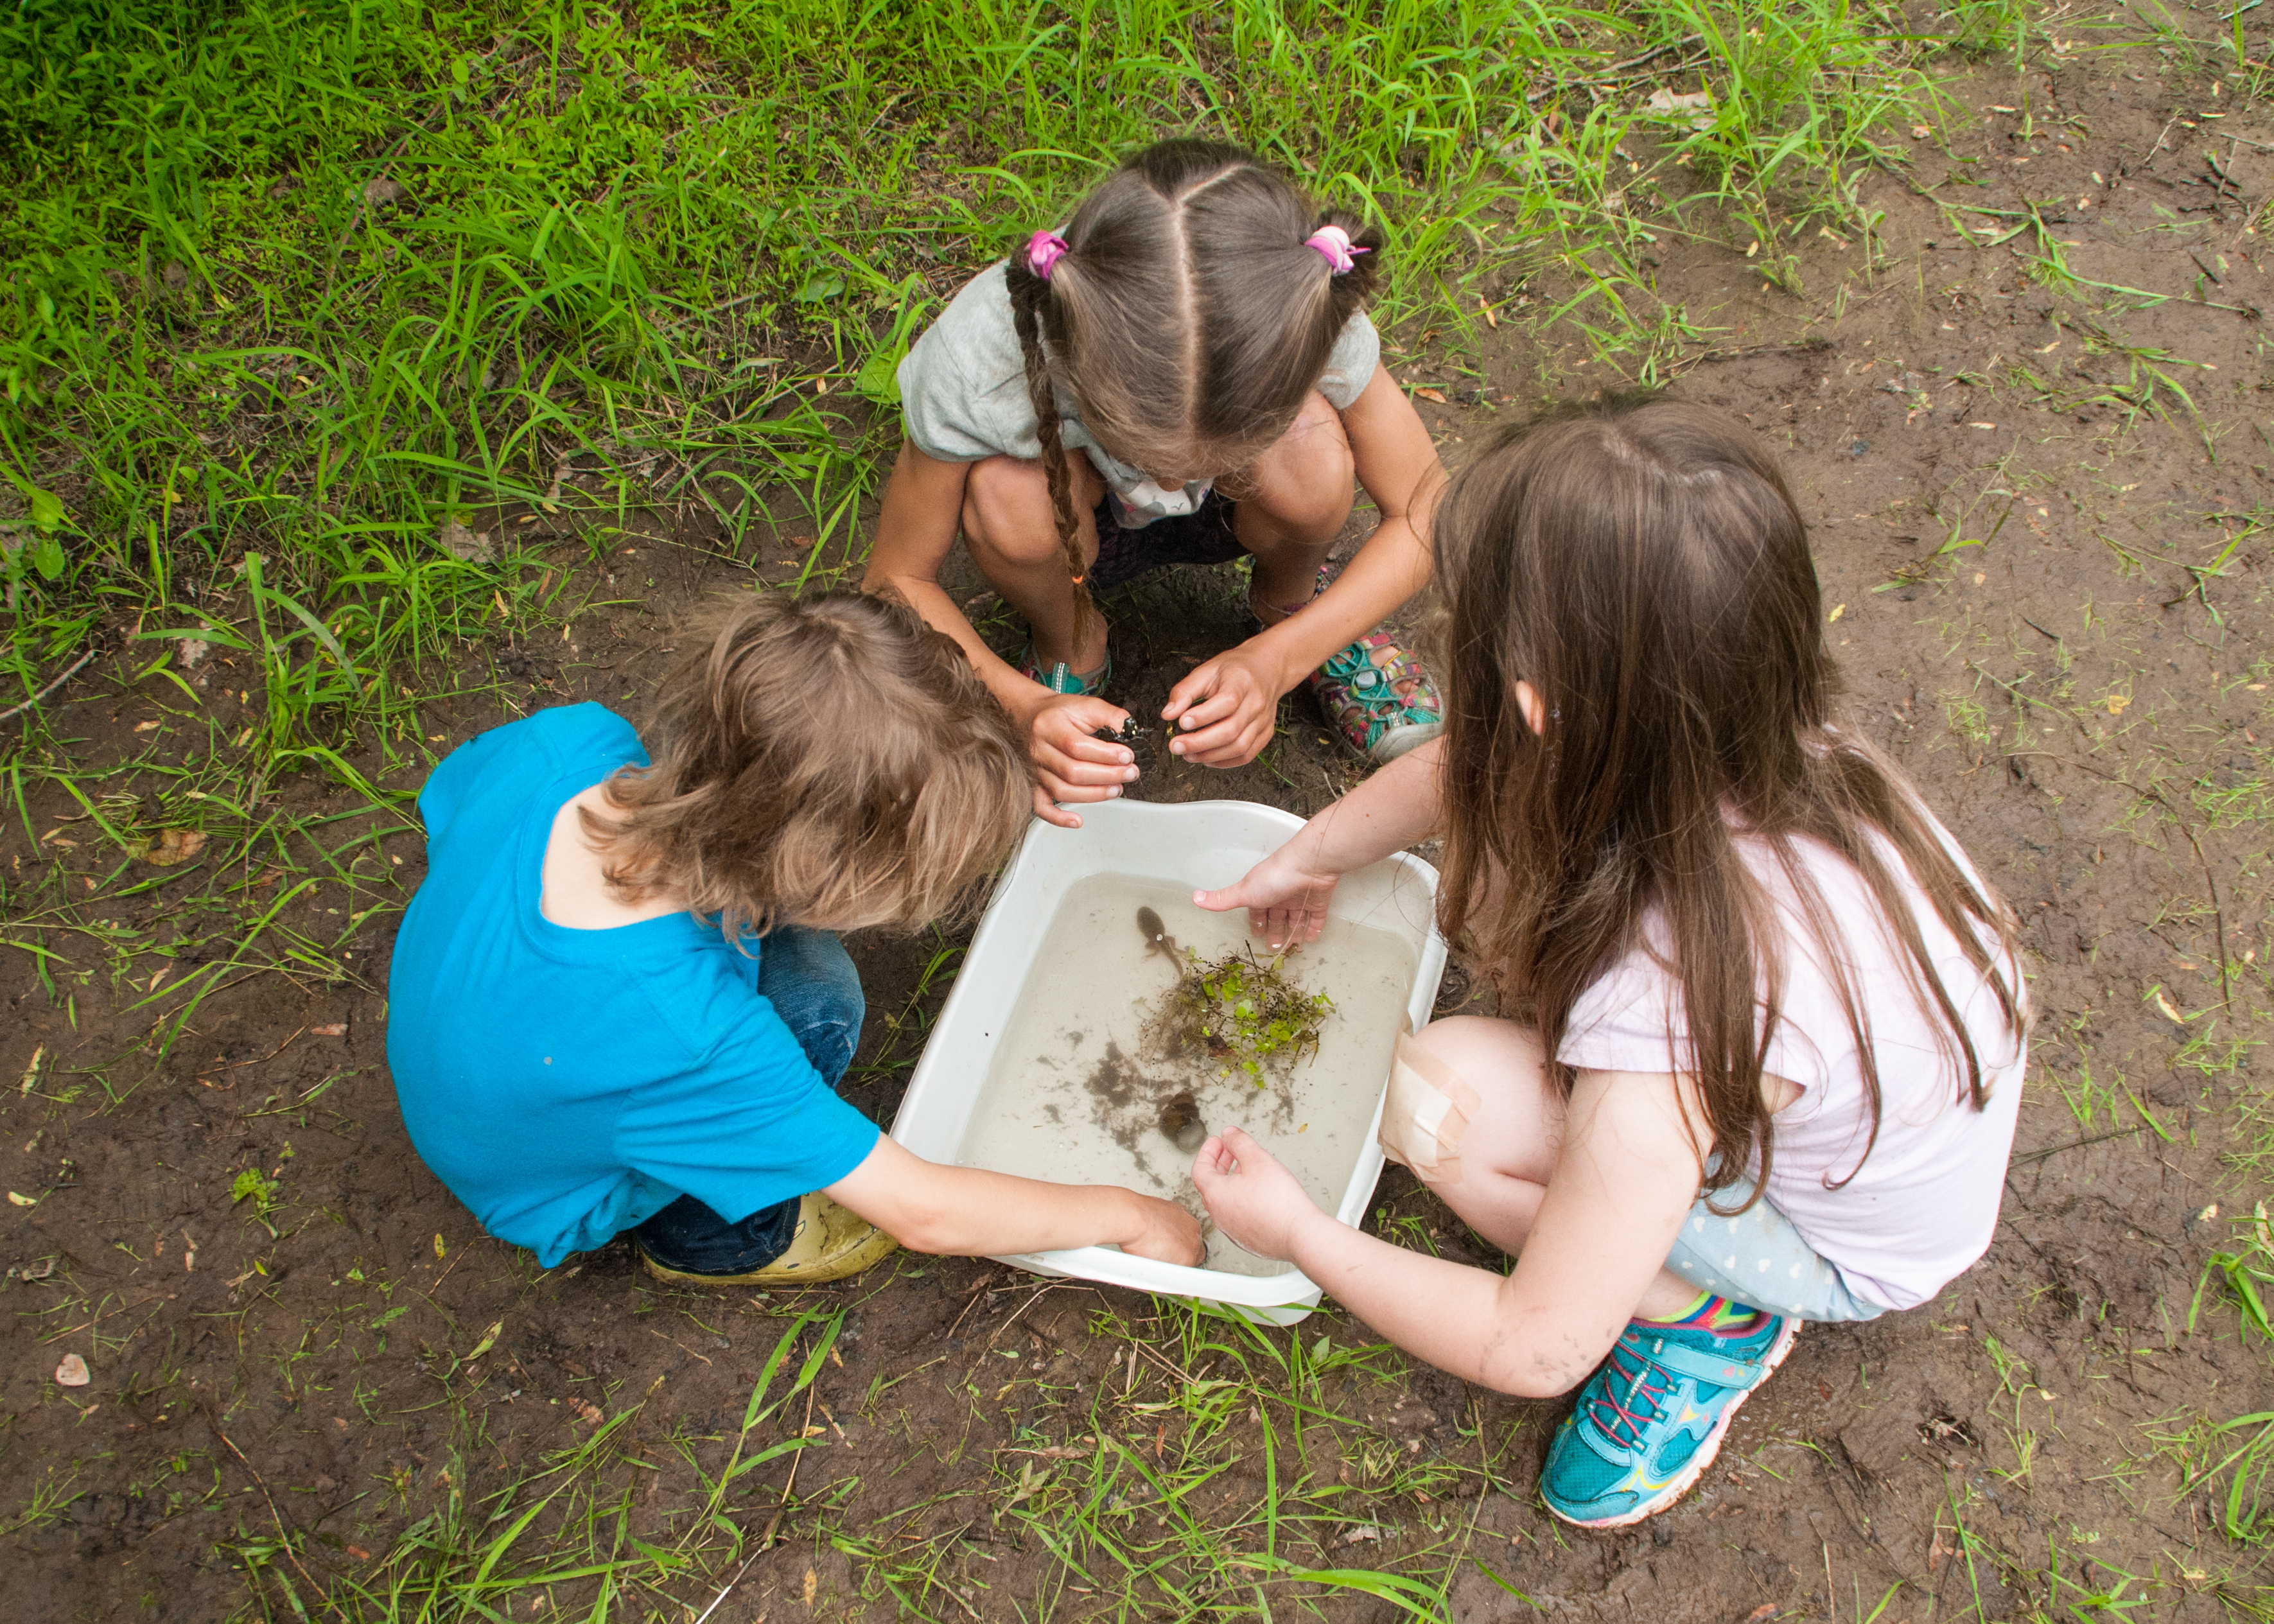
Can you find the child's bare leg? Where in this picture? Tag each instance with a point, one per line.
(1014, 538)
(1507, 1151)
(1293, 502)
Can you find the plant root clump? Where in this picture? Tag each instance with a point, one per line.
(1243, 1014)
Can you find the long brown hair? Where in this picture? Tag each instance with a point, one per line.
(1187, 318)
(1642, 565)
(825, 760)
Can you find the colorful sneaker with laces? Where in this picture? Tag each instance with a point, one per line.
(1651, 1420)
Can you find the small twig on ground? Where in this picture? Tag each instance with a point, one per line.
(1806, 346)
(282, 1533)
(2054, 1150)
(261, 1060)
(1024, 1307)
(766, 1539)
(1609, 74)
(74, 671)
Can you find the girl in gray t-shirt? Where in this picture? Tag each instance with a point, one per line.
(1186, 374)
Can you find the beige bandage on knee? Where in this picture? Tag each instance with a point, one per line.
(1426, 1110)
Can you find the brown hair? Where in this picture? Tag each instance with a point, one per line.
(827, 760)
(1187, 318)
(1642, 565)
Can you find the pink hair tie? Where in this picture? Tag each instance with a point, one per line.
(1335, 246)
(1044, 250)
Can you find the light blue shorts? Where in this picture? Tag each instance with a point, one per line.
(1758, 1258)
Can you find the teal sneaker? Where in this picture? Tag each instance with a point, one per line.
(1651, 1420)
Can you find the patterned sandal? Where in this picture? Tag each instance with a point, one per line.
(1379, 698)
(1061, 679)
(1376, 694)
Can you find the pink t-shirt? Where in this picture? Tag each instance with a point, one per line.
(1922, 1206)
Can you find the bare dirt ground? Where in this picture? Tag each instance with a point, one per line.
(2041, 510)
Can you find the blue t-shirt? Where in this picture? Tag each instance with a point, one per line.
(568, 1084)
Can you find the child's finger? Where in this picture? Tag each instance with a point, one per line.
(1057, 762)
(1198, 684)
(1082, 747)
(1061, 786)
(1050, 812)
(1231, 743)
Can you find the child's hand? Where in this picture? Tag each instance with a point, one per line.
(1222, 714)
(1252, 1198)
(1285, 902)
(1171, 1235)
(1075, 766)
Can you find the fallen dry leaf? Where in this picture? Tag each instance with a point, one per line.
(2116, 703)
(467, 546)
(176, 846)
(1437, 395)
(147, 727)
(812, 1586)
(587, 1412)
(359, 1553)
(337, 1029)
(72, 1372)
(2169, 1014)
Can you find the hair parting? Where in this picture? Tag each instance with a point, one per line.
(1189, 312)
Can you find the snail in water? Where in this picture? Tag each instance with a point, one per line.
(1180, 1120)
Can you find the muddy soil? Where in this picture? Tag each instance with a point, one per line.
(2040, 513)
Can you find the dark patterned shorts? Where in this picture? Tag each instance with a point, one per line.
(1202, 538)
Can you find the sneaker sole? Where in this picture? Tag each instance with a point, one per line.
(1706, 1451)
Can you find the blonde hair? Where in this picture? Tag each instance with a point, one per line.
(829, 761)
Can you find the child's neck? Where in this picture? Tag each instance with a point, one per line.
(576, 892)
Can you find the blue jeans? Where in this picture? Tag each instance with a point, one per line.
(809, 979)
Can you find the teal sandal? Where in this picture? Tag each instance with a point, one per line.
(1061, 679)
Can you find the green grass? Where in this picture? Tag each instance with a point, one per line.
(303, 297)
(305, 283)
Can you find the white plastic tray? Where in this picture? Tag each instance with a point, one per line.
(1205, 844)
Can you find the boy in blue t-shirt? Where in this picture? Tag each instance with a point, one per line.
(616, 1004)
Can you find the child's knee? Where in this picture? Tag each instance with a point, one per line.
(809, 979)
(1308, 479)
(1007, 513)
(1427, 1109)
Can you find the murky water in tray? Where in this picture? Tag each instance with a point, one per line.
(1075, 1096)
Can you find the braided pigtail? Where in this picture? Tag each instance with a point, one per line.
(1027, 293)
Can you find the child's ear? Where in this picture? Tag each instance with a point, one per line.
(1534, 708)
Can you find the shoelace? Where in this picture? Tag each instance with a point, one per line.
(1622, 1423)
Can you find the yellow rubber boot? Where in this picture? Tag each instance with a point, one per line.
(832, 1242)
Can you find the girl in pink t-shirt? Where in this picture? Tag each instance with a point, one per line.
(1777, 1020)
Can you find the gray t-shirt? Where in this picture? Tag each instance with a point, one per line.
(963, 396)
